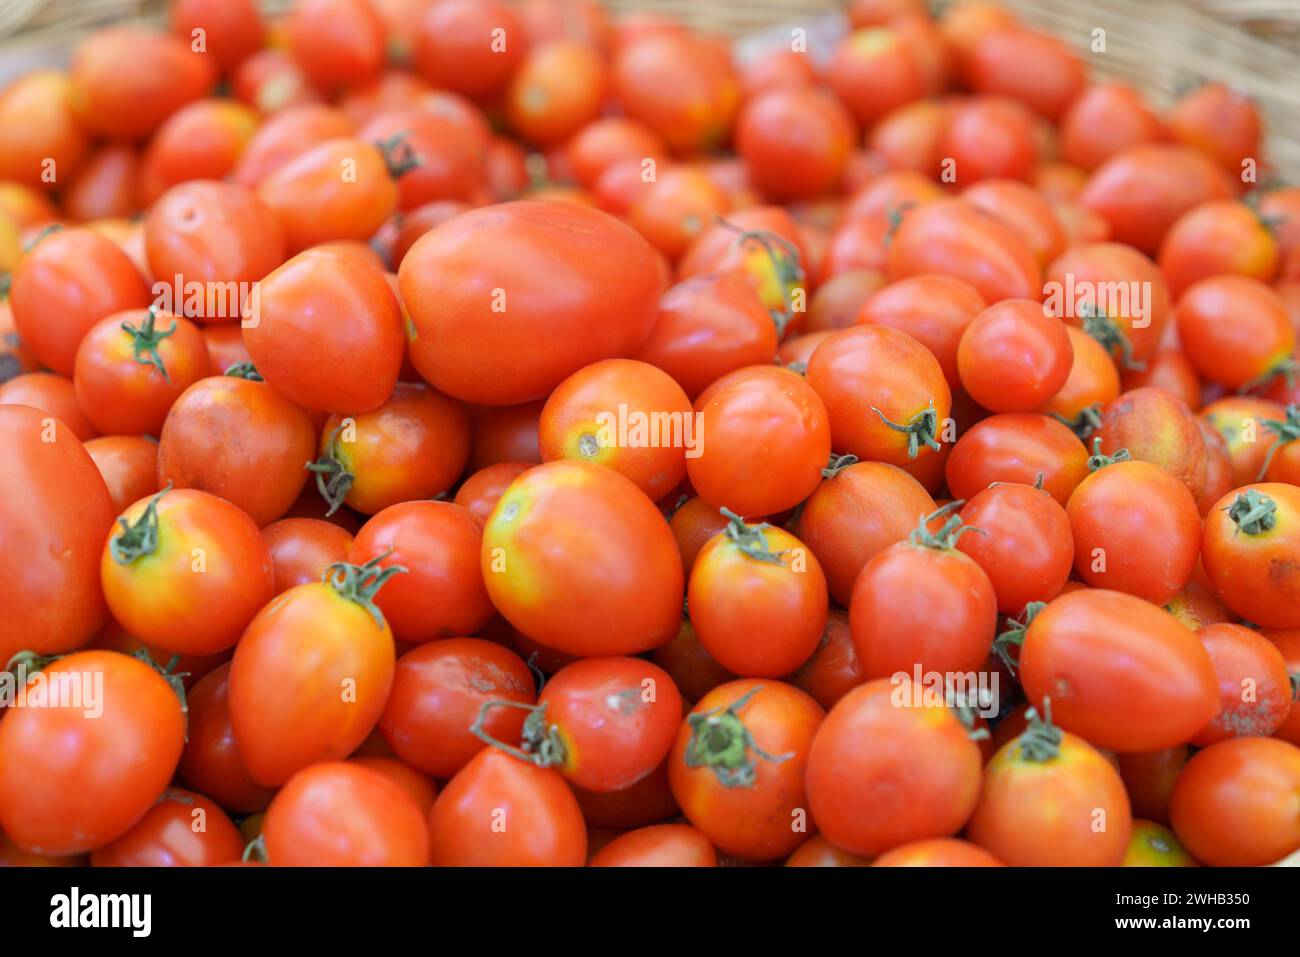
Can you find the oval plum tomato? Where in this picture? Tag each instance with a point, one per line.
(270, 81)
(578, 286)
(1219, 121)
(106, 186)
(1026, 210)
(1249, 549)
(1103, 120)
(578, 559)
(889, 765)
(413, 446)
(481, 491)
(1143, 190)
(860, 509)
(302, 548)
(737, 768)
(661, 845)
(607, 140)
(186, 571)
(764, 437)
(1224, 237)
(921, 605)
(451, 162)
(499, 811)
(210, 762)
(311, 673)
(1120, 672)
(1236, 331)
(676, 208)
(885, 394)
(418, 786)
(289, 133)
(1117, 512)
(56, 512)
(1092, 383)
(129, 466)
(232, 29)
(555, 91)
(53, 394)
(344, 307)
(933, 309)
(438, 691)
(1149, 779)
(991, 137)
(1017, 447)
(671, 85)
(1241, 420)
(1038, 69)
(132, 366)
(1254, 685)
(1154, 845)
(200, 141)
(67, 282)
(456, 46)
(955, 238)
(937, 852)
(183, 829)
(819, 852)
(339, 814)
(1155, 426)
(41, 134)
(795, 142)
(217, 237)
(1051, 799)
(124, 752)
(126, 80)
(1013, 357)
(237, 438)
(442, 593)
(873, 71)
(757, 580)
(1229, 806)
(625, 415)
(336, 43)
(1026, 549)
(693, 669)
(908, 136)
(709, 325)
(833, 669)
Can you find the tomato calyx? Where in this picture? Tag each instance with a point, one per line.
(1253, 512)
(1287, 368)
(1099, 460)
(139, 539)
(750, 538)
(1014, 635)
(1111, 336)
(398, 155)
(175, 679)
(953, 528)
(1040, 478)
(838, 464)
(1085, 423)
(333, 480)
(1287, 430)
(921, 429)
(1040, 742)
(244, 370)
(965, 709)
(360, 583)
(145, 340)
(29, 661)
(895, 220)
(786, 267)
(541, 743)
(255, 851)
(721, 742)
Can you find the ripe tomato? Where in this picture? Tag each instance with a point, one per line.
(456, 46)
(1255, 689)
(232, 30)
(1158, 427)
(200, 141)
(1105, 119)
(210, 762)
(1236, 331)
(662, 845)
(937, 852)
(1013, 356)
(340, 814)
(819, 852)
(1120, 672)
(1149, 779)
(451, 159)
(673, 86)
(1026, 548)
(336, 43)
(1092, 383)
(303, 548)
(676, 207)
(482, 490)
(1037, 69)
(607, 140)
(499, 811)
(933, 309)
(287, 134)
(795, 142)
(1017, 447)
(833, 669)
(52, 394)
(1224, 237)
(990, 137)
(1249, 552)
(890, 765)
(1025, 209)
(555, 91)
(43, 141)
(757, 579)
(128, 465)
(874, 70)
(578, 559)
(1282, 464)
(1220, 122)
(418, 786)
(738, 767)
(183, 829)
(81, 770)
(311, 674)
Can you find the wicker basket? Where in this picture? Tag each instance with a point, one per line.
(1159, 46)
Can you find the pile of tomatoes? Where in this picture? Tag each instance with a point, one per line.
(474, 432)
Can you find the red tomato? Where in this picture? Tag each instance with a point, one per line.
(933, 309)
(481, 491)
(1218, 238)
(1106, 119)
(1236, 331)
(671, 85)
(876, 69)
(1017, 447)
(200, 141)
(555, 91)
(937, 852)
(1254, 687)
(819, 852)
(336, 43)
(1038, 69)
(210, 762)
(183, 829)
(1013, 356)
(504, 434)
(676, 207)
(1240, 420)
(470, 46)
(1288, 643)
(1249, 552)
(128, 465)
(1025, 209)
(1221, 122)
(231, 30)
(795, 142)
(663, 845)
(1026, 548)
(451, 160)
(52, 394)
(1155, 426)
(1092, 383)
(287, 134)
(989, 137)
(303, 548)
(833, 669)
(42, 141)
(693, 669)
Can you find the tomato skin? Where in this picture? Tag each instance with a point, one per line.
(1234, 329)
(340, 814)
(353, 367)
(991, 137)
(453, 46)
(336, 43)
(1038, 69)
(210, 763)
(1239, 419)
(933, 309)
(819, 852)
(1168, 369)
(239, 439)
(183, 829)
(1154, 845)
(937, 852)
(1229, 806)
(128, 465)
(1026, 210)
(40, 129)
(1218, 238)
(1106, 119)
(308, 681)
(1016, 447)
(1255, 573)
(579, 287)
(483, 489)
(917, 742)
(1149, 778)
(1242, 658)
(1013, 357)
(543, 824)
(672, 86)
(607, 140)
(302, 548)
(1026, 550)
(832, 671)
(795, 142)
(873, 71)
(755, 821)
(1043, 813)
(661, 845)
(1287, 641)
(52, 394)
(733, 596)
(1157, 427)
(672, 211)
(72, 780)
(1219, 121)
(577, 558)
(1120, 672)
(232, 29)
(556, 90)
(451, 159)
(688, 662)
(1117, 512)
(504, 433)
(55, 511)
(287, 134)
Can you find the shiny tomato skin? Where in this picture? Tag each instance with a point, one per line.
(795, 142)
(933, 309)
(1218, 238)
(210, 763)
(556, 90)
(1105, 119)
(1235, 330)
(183, 829)
(453, 47)
(1026, 548)
(128, 465)
(660, 845)
(451, 165)
(302, 548)
(1016, 447)
(52, 394)
(336, 43)
(1254, 571)
(670, 84)
(1038, 69)
(232, 29)
(1254, 687)
(937, 852)
(1013, 357)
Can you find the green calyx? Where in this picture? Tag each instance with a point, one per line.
(1014, 635)
(1099, 460)
(921, 429)
(1286, 368)
(1286, 430)
(145, 340)
(175, 679)
(398, 154)
(1253, 512)
(1110, 334)
(360, 583)
(721, 742)
(138, 539)
(333, 480)
(838, 464)
(541, 743)
(1085, 423)
(244, 370)
(1041, 740)
(786, 264)
(750, 539)
(895, 220)
(952, 529)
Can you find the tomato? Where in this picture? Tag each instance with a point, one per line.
(1115, 515)
(1229, 806)
(1154, 845)
(1120, 672)
(663, 845)
(1105, 119)
(1051, 799)
(1282, 464)
(908, 136)
(1149, 779)
(336, 43)
(1026, 210)
(69, 281)
(1092, 383)
(819, 852)
(875, 70)
(340, 814)
(200, 141)
(672, 86)
(450, 161)
(1241, 420)
(937, 852)
(469, 46)
(311, 674)
(77, 773)
(52, 394)
(1017, 447)
(1224, 237)
(577, 558)
(752, 579)
(183, 829)
(889, 748)
(55, 511)
(237, 438)
(210, 762)
(128, 465)
(933, 309)
(555, 91)
(795, 142)
(303, 548)
(286, 135)
(504, 434)
(1196, 605)
(481, 491)
(1170, 370)
(105, 186)
(688, 662)
(1025, 548)
(499, 811)
(1013, 356)
(989, 137)
(270, 81)
(833, 670)
(231, 30)
(738, 767)
(1221, 122)
(1254, 686)
(607, 140)
(186, 571)
(1236, 331)
(43, 142)
(1249, 552)
(1158, 427)
(676, 207)
(126, 80)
